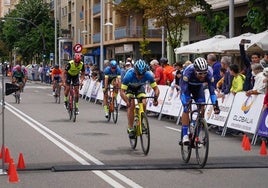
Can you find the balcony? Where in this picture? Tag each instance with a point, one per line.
(136, 32)
(96, 8)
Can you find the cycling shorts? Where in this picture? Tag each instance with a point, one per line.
(72, 79)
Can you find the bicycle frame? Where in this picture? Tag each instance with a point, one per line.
(138, 113)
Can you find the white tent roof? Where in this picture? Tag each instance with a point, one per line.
(203, 46)
(231, 45)
(259, 42)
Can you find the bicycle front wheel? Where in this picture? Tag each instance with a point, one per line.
(70, 108)
(201, 142)
(186, 150)
(115, 110)
(145, 136)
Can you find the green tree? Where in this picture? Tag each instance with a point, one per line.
(27, 27)
(257, 15)
(172, 14)
(213, 23)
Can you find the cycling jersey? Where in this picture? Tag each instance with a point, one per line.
(190, 84)
(131, 78)
(74, 70)
(18, 75)
(109, 72)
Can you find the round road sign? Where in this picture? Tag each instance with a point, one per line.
(78, 48)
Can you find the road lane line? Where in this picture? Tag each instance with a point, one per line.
(174, 129)
(44, 132)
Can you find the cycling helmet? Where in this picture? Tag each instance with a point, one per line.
(22, 67)
(56, 66)
(140, 67)
(77, 57)
(18, 68)
(113, 64)
(200, 64)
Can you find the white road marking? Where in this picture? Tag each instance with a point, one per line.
(45, 132)
(174, 129)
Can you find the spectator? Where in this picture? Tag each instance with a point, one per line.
(158, 72)
(228, 78)
(265, 101)
(220, 82)
(168, 70)
(259, 83)
(264, 61)
(128, 66)
(41, 73)
(176, 82)
(255, 58)
(33, 72)
(216, 66)
(238, 79)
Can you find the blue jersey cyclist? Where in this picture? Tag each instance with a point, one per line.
(134, 84)
(195, 77)
(112, 75)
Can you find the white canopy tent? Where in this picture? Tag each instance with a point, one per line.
(231, 45)
(259, 42)
(203, 46)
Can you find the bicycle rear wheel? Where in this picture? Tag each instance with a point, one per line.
(186, 150)
(74, 112)
(201, 142)
(115, 110)
(145, 136)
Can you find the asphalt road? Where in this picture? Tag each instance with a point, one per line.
(95, 153)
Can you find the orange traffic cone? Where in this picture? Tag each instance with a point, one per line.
(247, 145)
(21, 164)
(7, 156)
(263, 150)
(9, 166)
(13, 175)
(243, 141)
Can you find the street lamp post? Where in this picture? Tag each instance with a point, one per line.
(101, 35)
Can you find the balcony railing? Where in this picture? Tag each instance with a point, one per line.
(136, 32)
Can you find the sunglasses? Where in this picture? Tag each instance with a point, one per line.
(201, 73)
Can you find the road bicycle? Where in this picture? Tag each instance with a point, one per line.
(17, 93)
(57, 92)
(71, 104)
(198, 136)
(112, 104)
(141, 126)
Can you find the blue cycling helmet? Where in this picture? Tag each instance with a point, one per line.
(140, 67)
(113, 64)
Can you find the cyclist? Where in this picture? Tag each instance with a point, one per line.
(73, 69)
(139, 75)
(195, 77)
(112, 75)
(56, 76)
(18, 76)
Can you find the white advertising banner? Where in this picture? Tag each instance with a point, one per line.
(84, 89)
(245, 112)
(172, 104)
(163, 90)
(225, 107)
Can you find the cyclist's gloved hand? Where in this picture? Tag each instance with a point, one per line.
(216, 108)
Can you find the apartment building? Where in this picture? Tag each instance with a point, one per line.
(6, 6)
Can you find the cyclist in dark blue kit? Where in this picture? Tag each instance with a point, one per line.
(112, 75)
(194, 78)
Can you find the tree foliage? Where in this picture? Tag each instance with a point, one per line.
(257, 16)
(29, 29)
